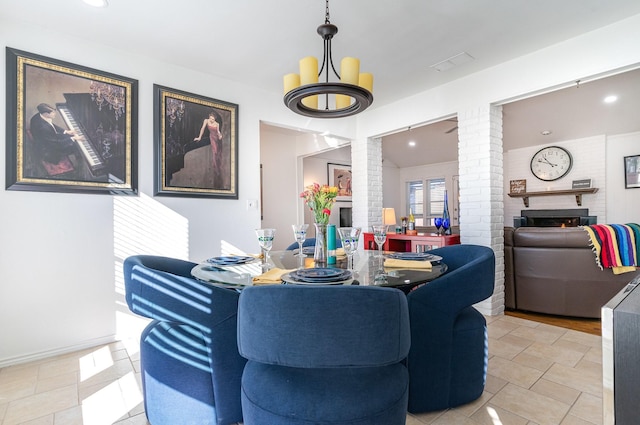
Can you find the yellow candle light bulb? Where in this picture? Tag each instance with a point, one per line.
(365, 81)
(309, 75)
(349, 73)
(291, 81)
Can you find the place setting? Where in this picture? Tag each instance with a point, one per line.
(318, 276)
(410, 260)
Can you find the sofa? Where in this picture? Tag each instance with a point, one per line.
(553, 270)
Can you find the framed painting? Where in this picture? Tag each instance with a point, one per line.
(69, 128)
(196, 145)
(339, 175)
(632, 172)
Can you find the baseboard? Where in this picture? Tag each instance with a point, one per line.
(12, 361)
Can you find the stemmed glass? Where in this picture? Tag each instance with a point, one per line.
(349, 237)
(265, 239)
(445, 225)
(380, 236)
(438, 223)
(300, 233)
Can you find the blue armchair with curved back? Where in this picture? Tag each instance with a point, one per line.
(449, 345)
(324, 355)
(191, 368)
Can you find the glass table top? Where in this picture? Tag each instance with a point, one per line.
(368, 270)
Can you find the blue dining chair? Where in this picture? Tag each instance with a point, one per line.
(191, 368)
(323, 355)
(449, 345)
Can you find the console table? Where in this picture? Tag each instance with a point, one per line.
(400, 242)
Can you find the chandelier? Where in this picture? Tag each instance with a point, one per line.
(106, 94)
(174, 110)
(349, 96)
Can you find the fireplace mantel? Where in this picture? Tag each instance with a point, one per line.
(577, 192)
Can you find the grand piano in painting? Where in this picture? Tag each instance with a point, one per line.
(100, 136)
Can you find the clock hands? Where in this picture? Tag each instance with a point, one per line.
(544, 159)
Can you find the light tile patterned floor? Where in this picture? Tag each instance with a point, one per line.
(538, 375)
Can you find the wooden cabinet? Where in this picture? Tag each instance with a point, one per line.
(411, 243)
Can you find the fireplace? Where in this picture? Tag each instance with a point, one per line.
(554, 218)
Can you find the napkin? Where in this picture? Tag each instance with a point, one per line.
(407, 264)
(271, 277)
(340, 254)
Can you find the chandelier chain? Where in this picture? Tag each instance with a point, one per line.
(327, 19)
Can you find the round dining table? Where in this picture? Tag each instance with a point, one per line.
(368, 269)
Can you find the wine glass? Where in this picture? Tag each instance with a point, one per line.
(349, 237)
(380, 236)
(265, 239)
(445, 225)
(438, 223)
(300, 233)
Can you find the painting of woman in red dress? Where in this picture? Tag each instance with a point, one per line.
(212, 123)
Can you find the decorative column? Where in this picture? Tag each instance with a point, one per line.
(366, 169)
(480, 159)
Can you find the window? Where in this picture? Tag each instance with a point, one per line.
(415, 201)
(426, 205)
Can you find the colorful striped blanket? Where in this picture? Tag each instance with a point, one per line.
(616, 246)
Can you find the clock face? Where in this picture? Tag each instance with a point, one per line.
(551, 163)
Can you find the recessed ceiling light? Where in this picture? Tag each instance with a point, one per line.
(546, 132)
(412, 143)
(610, 99)
(96, 3)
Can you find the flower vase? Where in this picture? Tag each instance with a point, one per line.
(446, 219)
(320, 253)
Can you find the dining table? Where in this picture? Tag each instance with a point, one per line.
(368, 270)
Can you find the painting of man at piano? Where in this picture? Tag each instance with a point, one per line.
(196, 145)
(73, 128)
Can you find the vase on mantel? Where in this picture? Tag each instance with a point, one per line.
(320, 252)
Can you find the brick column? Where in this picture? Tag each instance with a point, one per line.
(480, 155)
(366, 168)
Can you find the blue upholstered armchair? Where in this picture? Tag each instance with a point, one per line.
(448, 357)
(191, 368)
(323, 355)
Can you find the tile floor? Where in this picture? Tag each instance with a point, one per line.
(538, 375)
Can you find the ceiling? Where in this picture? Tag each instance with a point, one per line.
(571, 113)
(397, 40)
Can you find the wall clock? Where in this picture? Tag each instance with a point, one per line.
(551, 163)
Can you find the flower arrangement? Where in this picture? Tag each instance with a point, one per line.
(320, 199)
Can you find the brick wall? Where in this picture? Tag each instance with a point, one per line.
(481, 190)
(366, 168)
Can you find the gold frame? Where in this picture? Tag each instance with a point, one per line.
(184, 166)
(25, 170)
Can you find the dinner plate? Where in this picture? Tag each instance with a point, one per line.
(287, 278)
(220, 277)
(319, 272)
(414, 256)
(319, 276)
(230, 260)
(308, 250)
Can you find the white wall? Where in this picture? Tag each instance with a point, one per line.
(61, 254)
(391, 181)
(290, 162)
(588, 163)
(623, 205)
